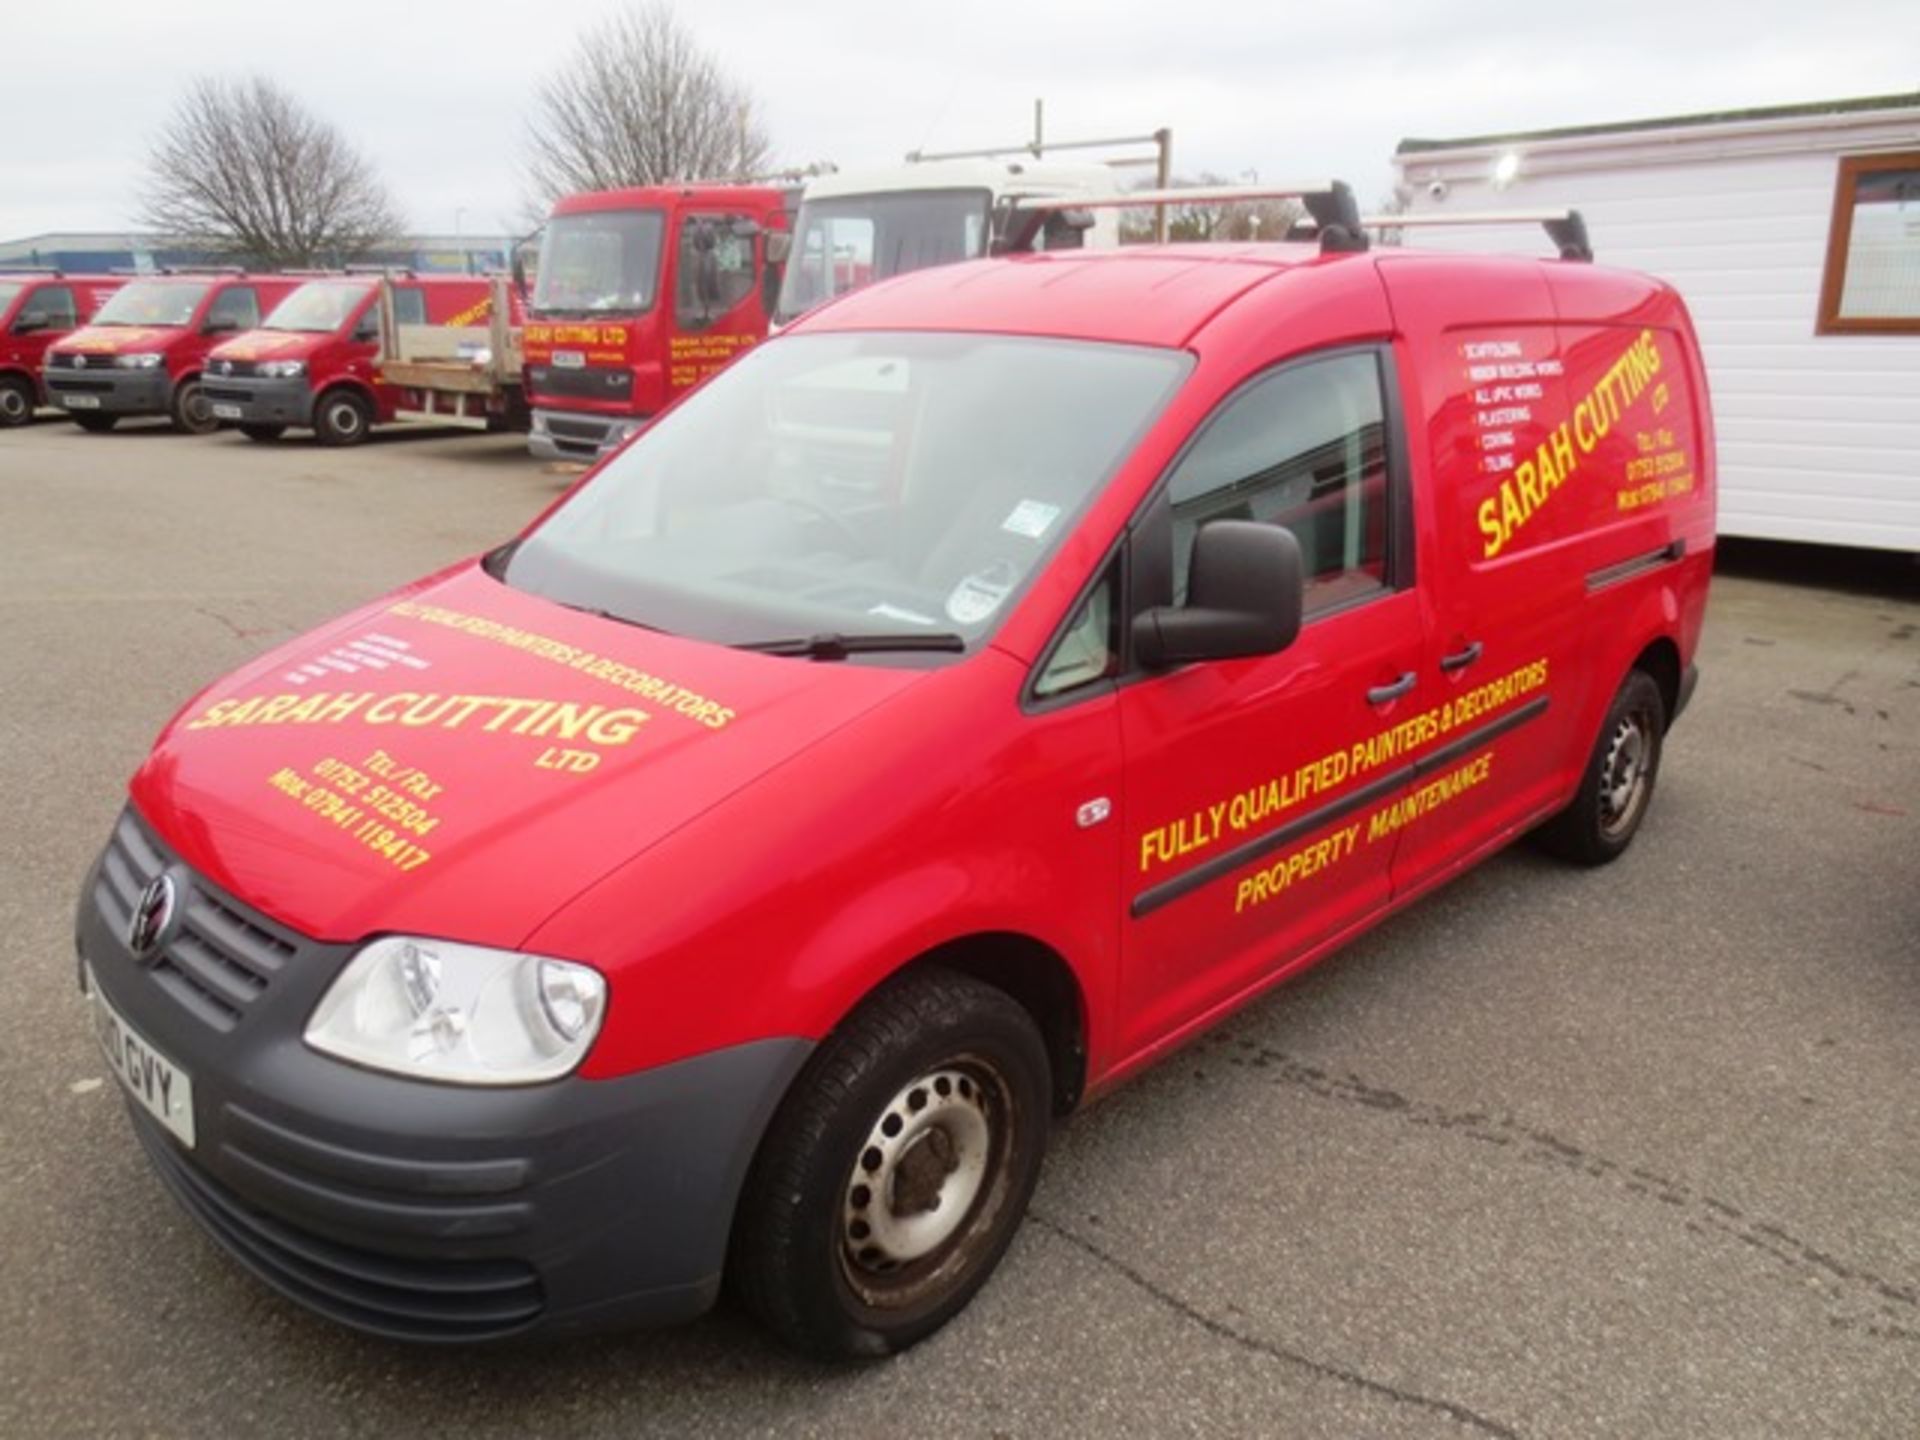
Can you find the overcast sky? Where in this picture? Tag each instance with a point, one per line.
(436, 93)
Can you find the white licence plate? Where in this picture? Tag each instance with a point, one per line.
(81, 402)
(160, 1086)
(226, 412)
(569, 360)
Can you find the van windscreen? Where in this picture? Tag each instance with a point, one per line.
(151, 302)
(319, 307)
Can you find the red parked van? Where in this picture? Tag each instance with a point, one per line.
(952, 707)
(38, 307)
(145, 350)
(313, 363)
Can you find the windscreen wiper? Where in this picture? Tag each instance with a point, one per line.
(831, 646)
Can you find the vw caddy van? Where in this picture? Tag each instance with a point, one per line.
(951, 708)
(146, 348)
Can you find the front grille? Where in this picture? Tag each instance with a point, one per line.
(580, 432)
(409, 1299)
(239, 368)
(215, 392)
(220, 957)
(590, 383)
(85, 387)
(76, 361)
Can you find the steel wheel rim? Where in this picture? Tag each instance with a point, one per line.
(923, 1179)
(1626, 774)
(13, 404)
(344, 417)
(196, 409)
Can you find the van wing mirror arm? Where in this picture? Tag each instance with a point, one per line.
(1569, 235)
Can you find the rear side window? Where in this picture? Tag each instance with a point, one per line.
(409, 305)
(236, 308)
(715, 271)
(1303, 447)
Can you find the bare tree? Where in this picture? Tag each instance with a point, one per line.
(1213, 219)
(639, 103)
(244, 167)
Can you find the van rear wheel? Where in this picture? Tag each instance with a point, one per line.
(16, 400)
(1617, 785)
(896, 1171)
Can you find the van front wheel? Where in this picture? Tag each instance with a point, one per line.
(1617, 786)
(896, 1171)
(342, 418)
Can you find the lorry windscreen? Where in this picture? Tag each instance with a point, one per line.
(842, 242)
(319, 307)
(598, 263)
(150, 302)
(857, 485)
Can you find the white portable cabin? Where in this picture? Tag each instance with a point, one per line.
(1794, 235)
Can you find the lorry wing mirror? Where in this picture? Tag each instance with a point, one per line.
(779, 246)
(1245, 591)
(520, 274)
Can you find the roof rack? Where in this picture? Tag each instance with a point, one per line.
(1566, 228)
(172, 270)
(398, 272)
(1330, 203)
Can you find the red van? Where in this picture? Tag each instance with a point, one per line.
(145, 350)
(313, 363)
(38, 307)
(954, 706)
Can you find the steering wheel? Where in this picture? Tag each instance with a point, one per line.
(814, 505)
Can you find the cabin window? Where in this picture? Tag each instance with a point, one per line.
(1872, 280)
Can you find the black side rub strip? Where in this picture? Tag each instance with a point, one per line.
(1225, 863)
(1626, 569)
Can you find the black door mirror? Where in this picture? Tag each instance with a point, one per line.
(520, 274)
(223, 325)
(1244, 595)
(34, 320)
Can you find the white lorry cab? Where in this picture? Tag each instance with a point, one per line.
(860, 226)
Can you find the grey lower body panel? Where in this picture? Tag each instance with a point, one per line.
(259, 401)
(111, 392)
(427, 1212)
(578, 435)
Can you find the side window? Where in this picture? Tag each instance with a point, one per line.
(49, 308)
(1089, 650)
(235, 308)
(1303, 447)
(409, 305)
(716, 269)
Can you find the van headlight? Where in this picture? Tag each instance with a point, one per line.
(459, 1014)
(282, 369)
(137, 362)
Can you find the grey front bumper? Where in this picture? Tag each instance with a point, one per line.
(260, 401)
(108, 391)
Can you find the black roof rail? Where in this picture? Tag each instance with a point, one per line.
(1567, 229)
(1337, 222)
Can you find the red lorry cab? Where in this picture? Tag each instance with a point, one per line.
(36, 309)
(958, 703)
(640, 295)
(147, 347)
(314, 362)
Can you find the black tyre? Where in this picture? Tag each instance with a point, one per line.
(1617, 786)
(16, 400)
(342, 418)
(192, 411)
(263, 432)
(95, 424)
(897, 1169)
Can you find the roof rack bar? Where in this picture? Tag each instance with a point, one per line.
(1038, 148)
(1567, 229)
(1330, 202)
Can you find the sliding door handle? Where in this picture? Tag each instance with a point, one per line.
(1460, 659)
(1381, 694)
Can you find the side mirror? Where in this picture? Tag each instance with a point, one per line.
(779, 246)
(1245, 589)
(32, 321)
(225, 325)
(520, 274)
